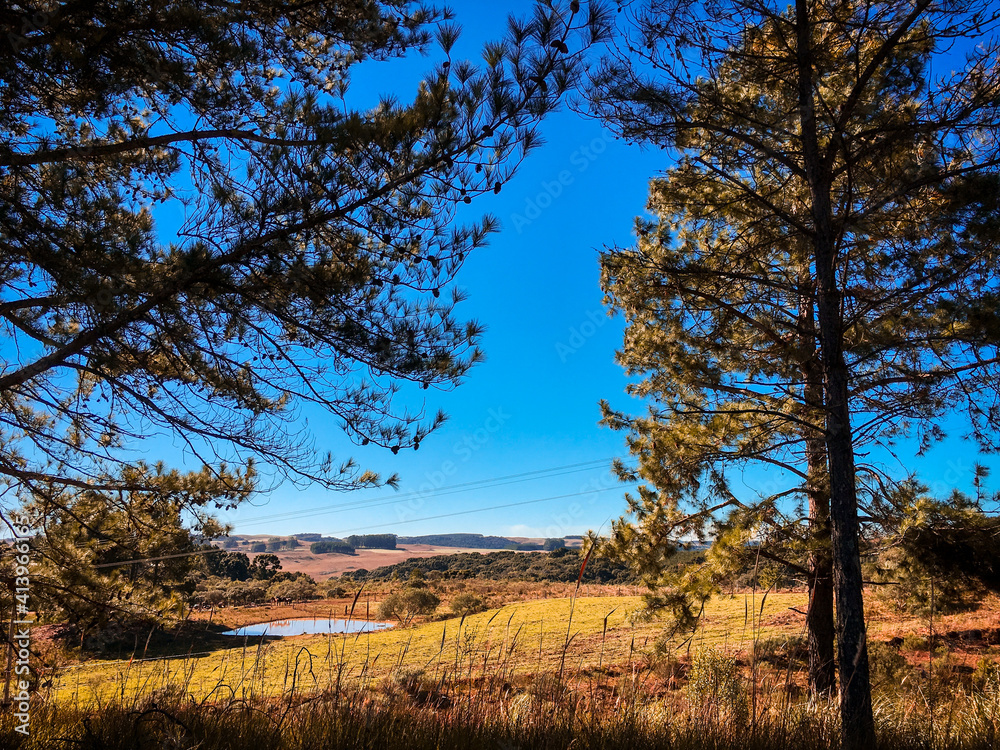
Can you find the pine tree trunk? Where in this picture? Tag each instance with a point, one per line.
(858, 726)
(857, 721)
(819, 615)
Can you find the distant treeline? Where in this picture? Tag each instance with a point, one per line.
(562, 565)
(326, 545)
(472, 541)
(372, 541)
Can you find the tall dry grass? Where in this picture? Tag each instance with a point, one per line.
(476, 693)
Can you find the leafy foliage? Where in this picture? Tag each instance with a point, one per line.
(409, 603)
(316, 242)
(808, 282)
(105, 561)
(467, 604)
(265, 567)
(201, 235)
(232, 565)
(294, 589)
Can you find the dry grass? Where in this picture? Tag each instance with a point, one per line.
(515, 676)
(528, 637)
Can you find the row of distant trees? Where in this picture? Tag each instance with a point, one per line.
(388, 541)
(347, 546)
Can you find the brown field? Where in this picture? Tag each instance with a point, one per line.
(322, 567)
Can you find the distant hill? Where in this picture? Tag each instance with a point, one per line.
(559, 565)
(470, 541)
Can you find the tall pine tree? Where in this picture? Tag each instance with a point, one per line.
(830, 209)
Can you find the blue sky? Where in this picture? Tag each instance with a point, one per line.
(532, 406)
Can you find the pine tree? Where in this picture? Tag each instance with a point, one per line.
(829, 192)
(313, 261)
(104, 561)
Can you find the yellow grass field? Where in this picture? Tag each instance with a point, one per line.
(522, 638)
(517, 640)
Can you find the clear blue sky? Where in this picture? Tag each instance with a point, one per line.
(532, 405)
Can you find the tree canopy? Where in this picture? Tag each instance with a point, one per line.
(202, 236)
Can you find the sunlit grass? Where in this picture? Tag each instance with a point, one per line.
(523, 675)
(523, 638)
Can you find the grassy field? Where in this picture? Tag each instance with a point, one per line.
(523, 638)
(535, 673)
(531, 637)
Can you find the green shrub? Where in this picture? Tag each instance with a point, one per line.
(467, 604)
(333, 590)
(246, 592)
(986, 674)
(714, 683)
(296, 589)
(914, 642)
(406, 604)
(933, 551)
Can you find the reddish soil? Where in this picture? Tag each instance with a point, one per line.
(321, 567)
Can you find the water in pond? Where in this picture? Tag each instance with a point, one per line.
(309, 627)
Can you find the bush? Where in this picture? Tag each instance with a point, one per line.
(888, 666)
(331, 589)
(416, 579)
(258, 547)
(781, 650)
(915, 642)
(296, 589)
(246, 592)
(930, 550)
(209, 598)
(467, 604)
(714, 683)
(407, 604)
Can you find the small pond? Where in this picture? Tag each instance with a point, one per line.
(309, 627)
